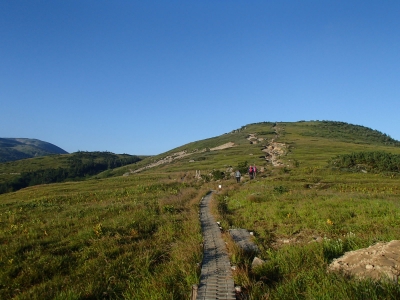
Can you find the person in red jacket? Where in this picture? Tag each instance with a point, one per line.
(251, 172)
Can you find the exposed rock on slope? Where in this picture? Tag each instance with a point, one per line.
(253, 139)
(224, 146)
(273, 152)
(167, 159)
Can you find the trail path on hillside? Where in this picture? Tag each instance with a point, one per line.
(216, 281)
(176, 156)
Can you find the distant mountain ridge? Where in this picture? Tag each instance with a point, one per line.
(12, 149)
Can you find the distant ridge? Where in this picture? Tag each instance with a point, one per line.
(12, 149)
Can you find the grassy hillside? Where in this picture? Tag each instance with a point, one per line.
(303, 148)
(20, 148)
(138, 236)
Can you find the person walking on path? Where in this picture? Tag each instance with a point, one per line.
(238, 175)
(251, 172)
(254, 171)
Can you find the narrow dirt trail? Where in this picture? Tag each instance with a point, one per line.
(216, 281)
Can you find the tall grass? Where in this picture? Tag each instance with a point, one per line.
(122, 238)
(302, 222)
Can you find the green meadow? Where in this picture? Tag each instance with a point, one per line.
(138, 236)
(301, 224)
(121, 238)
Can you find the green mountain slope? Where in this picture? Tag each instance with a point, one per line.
(20, 148)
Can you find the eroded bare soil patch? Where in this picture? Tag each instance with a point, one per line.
(379, 261)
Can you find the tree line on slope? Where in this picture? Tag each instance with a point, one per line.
(374, 161)
(81, 165)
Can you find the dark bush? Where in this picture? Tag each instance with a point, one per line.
(218, 175)
(280, 189)
(243, 167)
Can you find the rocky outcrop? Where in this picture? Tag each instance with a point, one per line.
(273, 151)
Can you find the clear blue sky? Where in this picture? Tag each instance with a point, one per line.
(143, 77)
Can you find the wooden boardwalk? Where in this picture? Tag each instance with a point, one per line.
(216, 281)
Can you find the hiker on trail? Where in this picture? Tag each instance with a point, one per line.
(238, 175)
(254, 171)
(251, 172)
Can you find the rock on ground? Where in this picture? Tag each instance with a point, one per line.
(379, 261)
(257, 262)
(243, 239)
